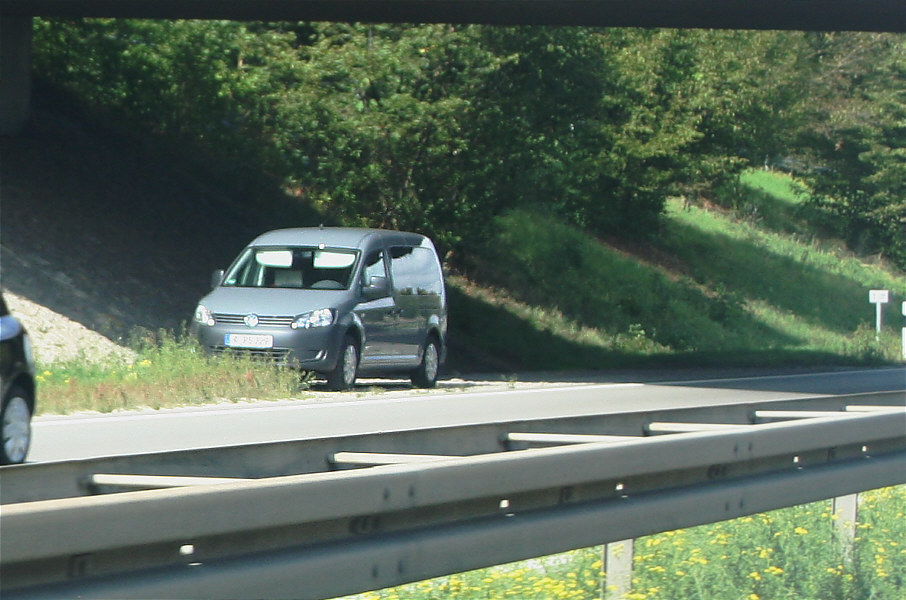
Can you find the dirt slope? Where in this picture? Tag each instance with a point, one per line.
(97, 229)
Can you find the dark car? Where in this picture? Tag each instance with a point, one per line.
(17, 379)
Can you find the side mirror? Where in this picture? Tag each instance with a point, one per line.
(377, 287)
(216, 278)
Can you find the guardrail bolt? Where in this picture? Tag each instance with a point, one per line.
(78, 565)
(717, 471)
(566, 494)
(364, 524)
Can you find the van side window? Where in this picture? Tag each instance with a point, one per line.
(374, 266)
(415, 271)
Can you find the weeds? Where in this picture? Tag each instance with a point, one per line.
(169, 370)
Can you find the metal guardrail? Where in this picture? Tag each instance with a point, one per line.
(325, 533)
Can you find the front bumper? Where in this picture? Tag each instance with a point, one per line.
(312, 349)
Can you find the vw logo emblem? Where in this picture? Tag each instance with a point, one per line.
(251, 320)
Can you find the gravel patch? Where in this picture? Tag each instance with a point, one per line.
(56, 338)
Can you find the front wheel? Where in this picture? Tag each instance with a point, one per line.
(344, 374)
(425, 375)
(15, 427)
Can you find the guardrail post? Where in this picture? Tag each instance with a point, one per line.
(845, 511)
(617, 569)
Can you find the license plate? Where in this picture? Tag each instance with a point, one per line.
(245, 340)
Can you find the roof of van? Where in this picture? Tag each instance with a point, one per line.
(338, 237)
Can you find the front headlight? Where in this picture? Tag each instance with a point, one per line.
(316, 318)
(204, 316)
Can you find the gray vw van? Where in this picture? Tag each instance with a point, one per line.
(336, 301)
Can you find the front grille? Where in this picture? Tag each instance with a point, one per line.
(275, 354)
(263, 320)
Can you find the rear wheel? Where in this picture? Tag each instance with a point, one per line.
(15, 426)
(425, 375)
(344, 374)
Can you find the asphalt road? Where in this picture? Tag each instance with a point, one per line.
(397, 407)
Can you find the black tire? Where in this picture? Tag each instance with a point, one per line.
(15, 426)
(344, 374)
(425, 375)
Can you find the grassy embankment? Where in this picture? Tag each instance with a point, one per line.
(788, 554)
(746, 283)
(749, 283)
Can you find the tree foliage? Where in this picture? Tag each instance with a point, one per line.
(861, 140)
(439, 127)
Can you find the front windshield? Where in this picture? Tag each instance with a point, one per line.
(296, 267)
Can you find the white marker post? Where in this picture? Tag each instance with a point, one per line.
(878, 298)
(904, 332)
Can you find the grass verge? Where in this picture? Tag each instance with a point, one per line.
(169, 370)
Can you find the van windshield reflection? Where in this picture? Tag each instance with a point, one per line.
(307, 268)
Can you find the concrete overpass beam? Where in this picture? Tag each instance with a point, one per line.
(15, 73)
